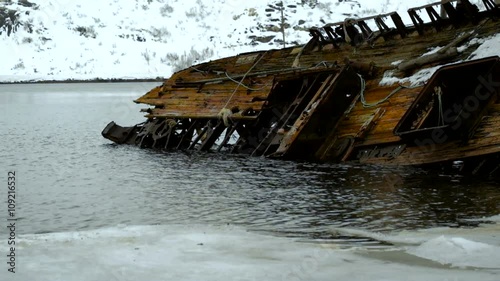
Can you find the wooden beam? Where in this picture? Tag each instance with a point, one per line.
(213, 135)
(436, 20)
(399, 25)
(417, 21)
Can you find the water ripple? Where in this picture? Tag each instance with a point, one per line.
(70, 178)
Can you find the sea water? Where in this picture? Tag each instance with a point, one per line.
(87, 209)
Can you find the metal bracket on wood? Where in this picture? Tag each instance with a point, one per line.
(189, 131)
(417, 21)
(200, 135)
(318, 38)
(229, 133)
(492, 7)
(452, 13)
(365, 29)
(400, 25)
(437, 21)
(171, 130)
(332, 35)
(470, 10)
(312, 43)
(212, 136)
(384, 29)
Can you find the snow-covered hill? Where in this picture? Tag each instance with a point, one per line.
(88, 39)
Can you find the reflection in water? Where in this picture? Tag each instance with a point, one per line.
(73, 179)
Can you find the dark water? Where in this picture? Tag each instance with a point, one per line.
(69, 178)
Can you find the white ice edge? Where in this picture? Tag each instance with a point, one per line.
(199, 252)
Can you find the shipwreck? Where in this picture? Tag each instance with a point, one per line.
(324, 101)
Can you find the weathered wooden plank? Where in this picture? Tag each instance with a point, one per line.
(194, 115)
(202, 91)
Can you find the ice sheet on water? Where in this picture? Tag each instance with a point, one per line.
(176, 252)
(458, 251)
(457, 247)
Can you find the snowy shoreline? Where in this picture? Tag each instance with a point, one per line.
(81, 81)
(77, 41)
(61, 39)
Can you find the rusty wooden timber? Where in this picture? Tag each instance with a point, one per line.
(324, 102)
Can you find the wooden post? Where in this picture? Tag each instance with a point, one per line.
(417, 21)
(399, 24)
(212, 136)
(200, 135)
(382, 27)
(491, 4)
(229, 133)
(365, 29)
(443, 11)
(331, 34)
(451, 13)
(435, 18)
(188, 133)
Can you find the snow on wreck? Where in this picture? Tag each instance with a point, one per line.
(352, 93)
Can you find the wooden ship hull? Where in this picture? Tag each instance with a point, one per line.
(323, 101)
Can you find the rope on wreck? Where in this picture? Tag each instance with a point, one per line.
(439, 92)
(367, 105)
(171, 123)
(198, 70)
(325, 64)
(243, 85)
(347, 21)
(225, 112)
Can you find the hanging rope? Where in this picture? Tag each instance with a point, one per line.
(367, 105)
(198, 70)
(439, 92)
(326, 64)
(243, 85)
(347, 21)
(243, 78)
(225, 113)
(171, 123)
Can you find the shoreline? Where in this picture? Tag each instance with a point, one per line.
(97, 80)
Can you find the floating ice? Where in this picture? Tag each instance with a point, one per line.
(458, 251)
(176, 252)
